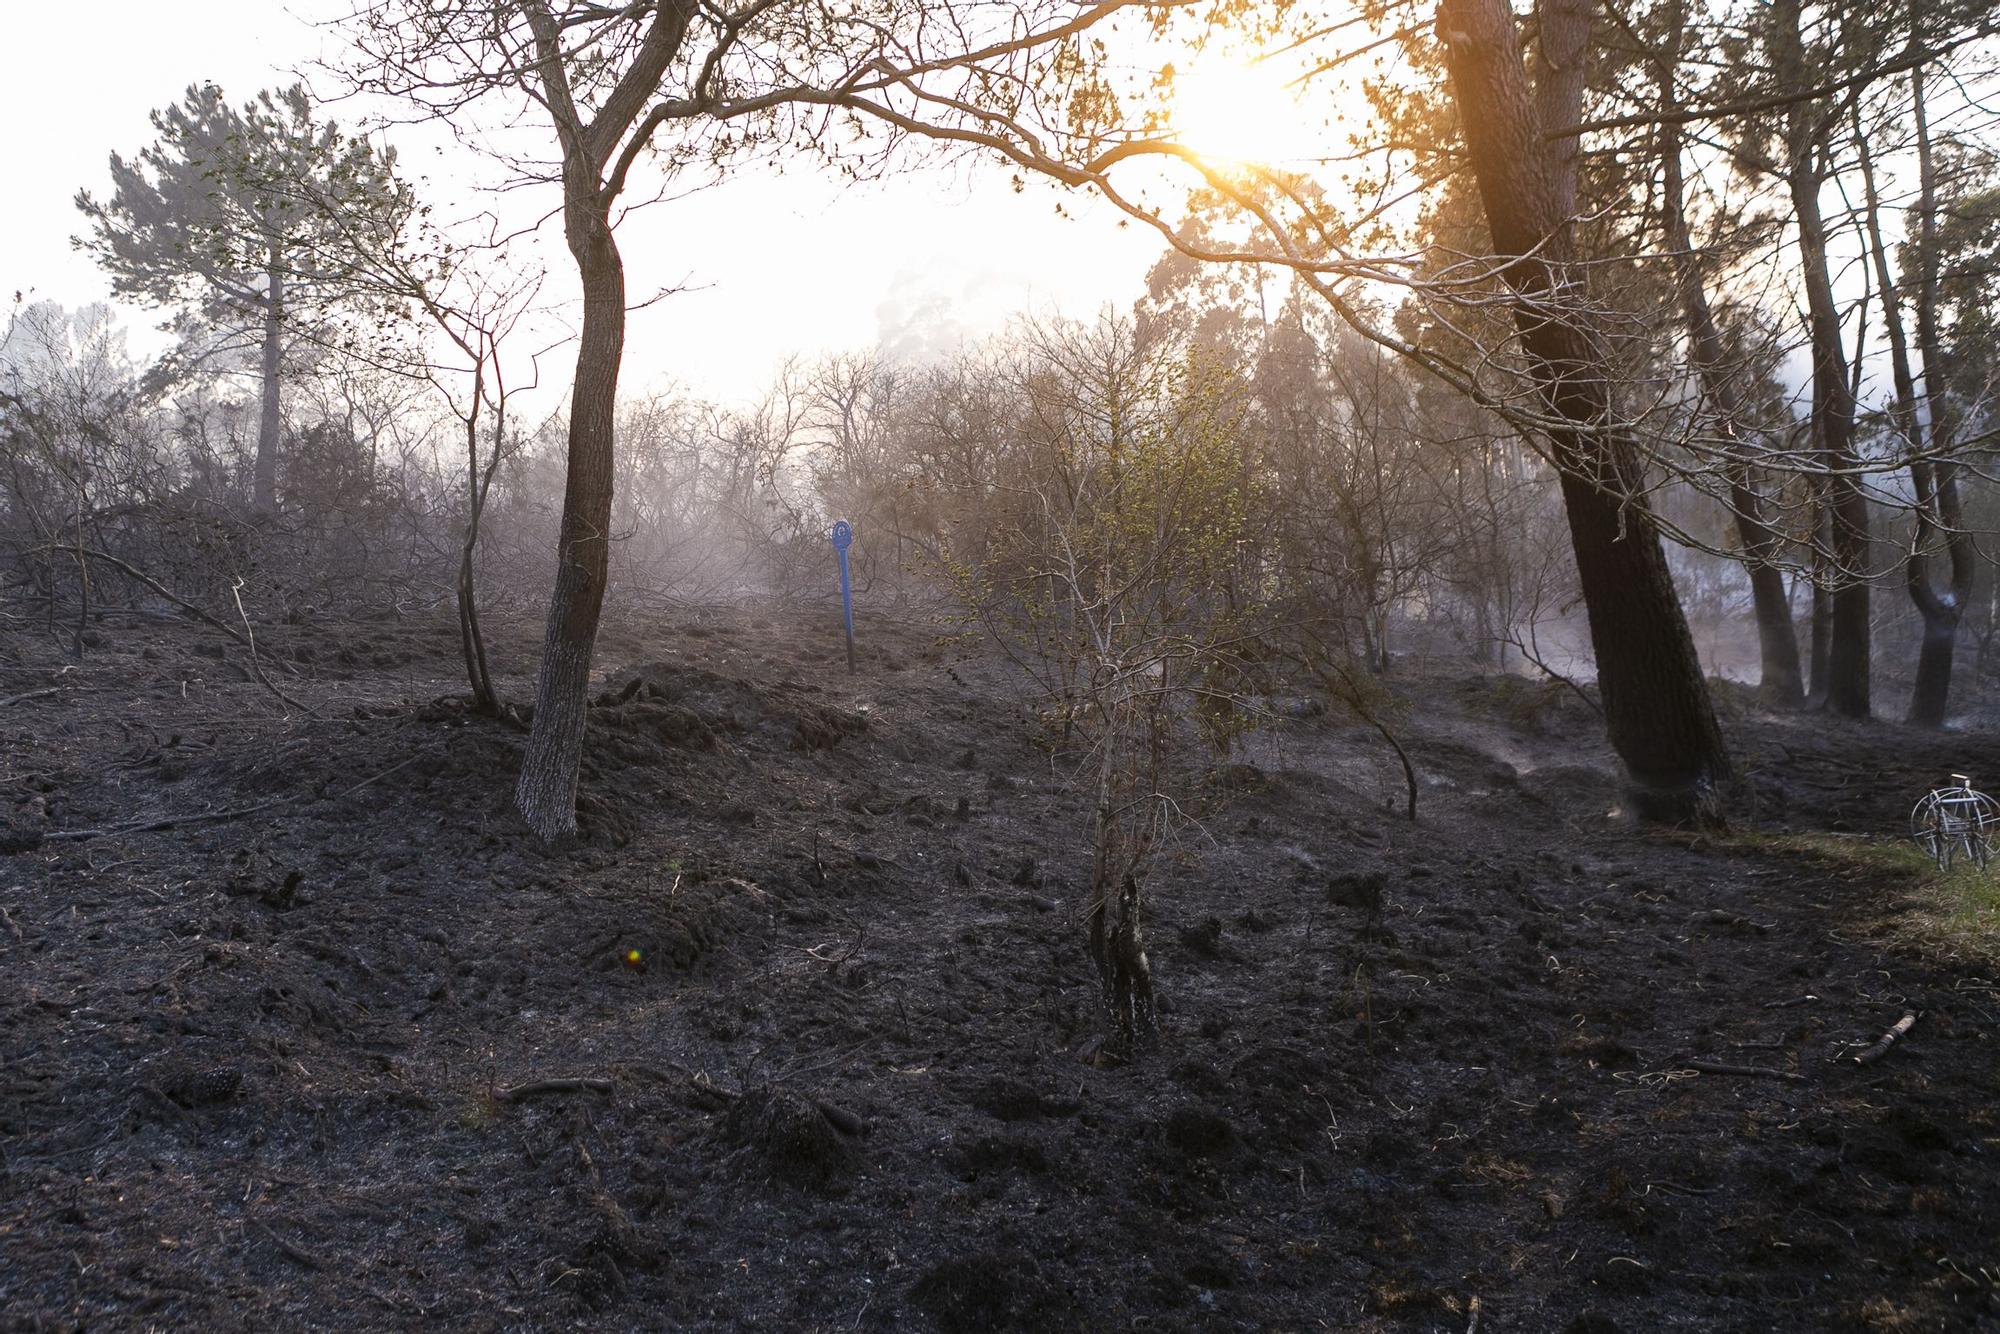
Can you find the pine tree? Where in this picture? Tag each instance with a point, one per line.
(218, 219)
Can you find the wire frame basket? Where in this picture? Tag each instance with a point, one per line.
(1954, 822)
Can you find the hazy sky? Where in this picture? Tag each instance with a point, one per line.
(775, 265)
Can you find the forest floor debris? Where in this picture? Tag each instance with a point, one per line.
(786, 1039)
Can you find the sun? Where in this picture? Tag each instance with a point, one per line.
(1237, 111)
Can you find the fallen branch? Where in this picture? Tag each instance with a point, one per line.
(536, 1087)
(210, 817)
(257, 666)
(1736, 921)
(158, 588)
(348, 792)
(1879, 1048)
(26, 695)
(158, 826)
(1748, 1071)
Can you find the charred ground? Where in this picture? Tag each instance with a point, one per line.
(307, 1065)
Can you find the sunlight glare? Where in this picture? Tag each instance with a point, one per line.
(1236, 111)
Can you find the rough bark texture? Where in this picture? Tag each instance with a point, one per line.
(270, 422)
(1656, 703)
(546, 793)
(1781, 682)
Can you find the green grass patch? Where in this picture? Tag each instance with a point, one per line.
(1954, 914)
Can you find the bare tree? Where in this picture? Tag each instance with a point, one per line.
(1782, 680)
(608, 83)
(1107, 574)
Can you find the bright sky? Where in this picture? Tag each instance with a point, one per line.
(799, 263)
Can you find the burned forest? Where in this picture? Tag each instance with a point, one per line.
(979, 667)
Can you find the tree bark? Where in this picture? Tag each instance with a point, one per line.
(1939, 610)
(1942, 609)
(471, 641)
(1781, 682)
(1822, 598)
(270, 422)
(1847, 662)
(546, 794)
(1656, 702)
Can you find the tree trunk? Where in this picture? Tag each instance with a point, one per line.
(1940, 611)
(1944, 608)
(1656, 702)
(546, 794)
(270, 423)
(1847, 666)
(1822, 608)
(1781, 682)
(471, 641)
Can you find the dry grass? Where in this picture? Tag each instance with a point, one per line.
(1951, 914)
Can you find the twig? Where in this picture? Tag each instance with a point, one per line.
(1806, 999)
(1879, 1048)
(176, 821)
(538, 1086)
(295, 1253)
(348, 792)
(157, 826)
(1673, 1188)
(1749, 1071)
(28, 695)
(256, 665)
(1554, 675)
(819, 951)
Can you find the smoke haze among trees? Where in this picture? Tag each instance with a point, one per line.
(1448, 393)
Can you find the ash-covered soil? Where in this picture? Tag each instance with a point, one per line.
(361, 1054)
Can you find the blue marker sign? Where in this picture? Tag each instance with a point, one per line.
(843, 537)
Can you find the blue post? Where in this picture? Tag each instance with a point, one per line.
(843, 535)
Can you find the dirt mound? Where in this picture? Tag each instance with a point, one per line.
(790, 1140)
(690, 708)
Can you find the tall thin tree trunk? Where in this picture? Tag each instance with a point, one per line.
(1656, 702)
(1942, 609)
(546, 793)
(471, 641)
(1778, 644)
(1822, 601)
(1847, 664)
(270, 422)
